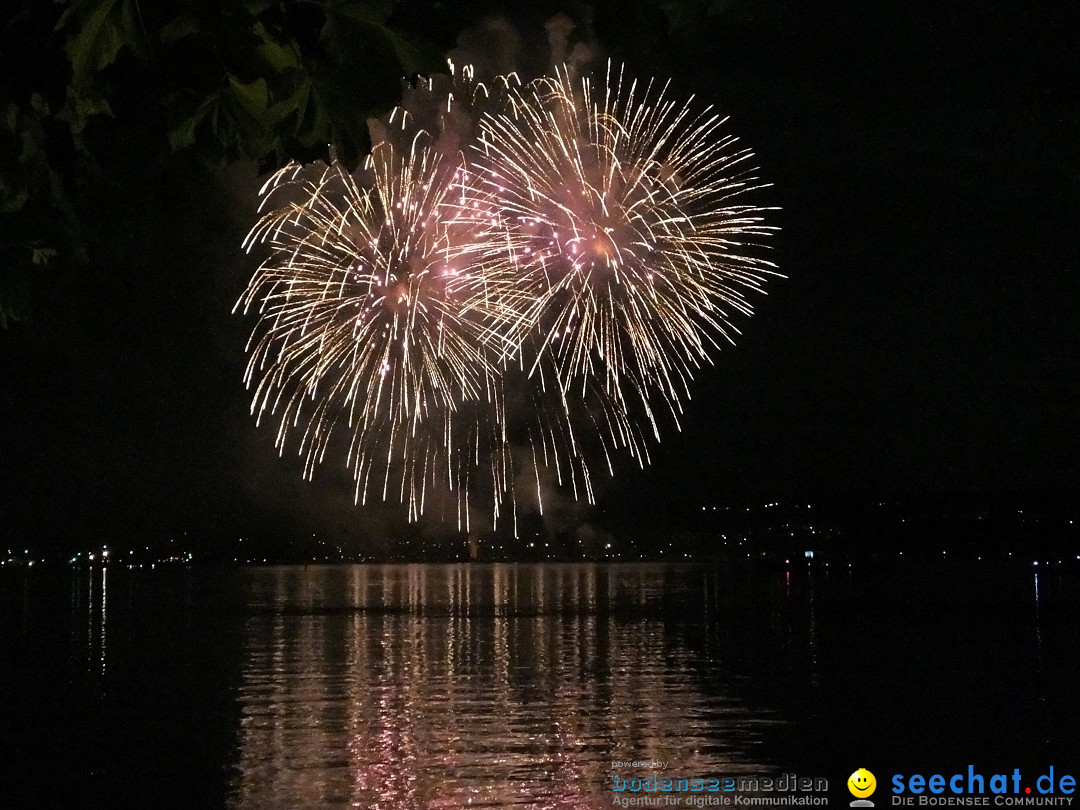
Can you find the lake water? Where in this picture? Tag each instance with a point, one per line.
(431, 686)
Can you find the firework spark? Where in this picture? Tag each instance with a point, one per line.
(446, 110)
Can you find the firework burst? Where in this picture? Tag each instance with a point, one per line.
(360, 333)
(620, 241)
(520, 277)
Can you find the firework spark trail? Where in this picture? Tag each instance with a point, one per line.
(538, 269)
(446, 110)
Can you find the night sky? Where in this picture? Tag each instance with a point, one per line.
(927, 162)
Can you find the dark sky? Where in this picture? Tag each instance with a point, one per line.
(927, 161)
(926, 338)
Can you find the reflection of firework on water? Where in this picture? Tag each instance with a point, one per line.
(621, 239)
(530, 273)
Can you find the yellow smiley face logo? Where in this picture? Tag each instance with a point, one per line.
(861, 783)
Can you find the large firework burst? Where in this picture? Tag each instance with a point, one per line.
(520, 276)
(360, 330)
(620, 241)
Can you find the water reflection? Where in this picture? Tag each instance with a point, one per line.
(430, 686)
(89, 618)
(484, 686)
